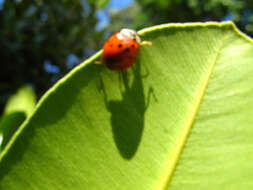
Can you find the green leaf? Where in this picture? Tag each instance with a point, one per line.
(24, 101)
(18, 107)
(102, 3)
(181, 118)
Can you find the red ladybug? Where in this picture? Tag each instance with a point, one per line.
(121, 49)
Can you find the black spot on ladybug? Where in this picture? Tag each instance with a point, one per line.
(127, 50)
(110, 45)
(111, 60)
(120, 45)
(132, 46)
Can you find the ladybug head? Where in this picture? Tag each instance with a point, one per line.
(131, 34)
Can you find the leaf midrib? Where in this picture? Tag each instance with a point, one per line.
(179, 146)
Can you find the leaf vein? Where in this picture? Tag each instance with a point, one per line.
(179, 146)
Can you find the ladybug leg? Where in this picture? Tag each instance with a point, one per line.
(98, 62)
(146, 43)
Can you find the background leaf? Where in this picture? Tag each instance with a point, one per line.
(24, 101)
(179, 119)
(102, 3)
(18, 107)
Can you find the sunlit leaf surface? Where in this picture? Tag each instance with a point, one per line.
(181, 118)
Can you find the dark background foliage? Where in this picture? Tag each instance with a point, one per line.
(41, 40)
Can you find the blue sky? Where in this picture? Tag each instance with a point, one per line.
(119, 4)
(103, 15)
(1, 4)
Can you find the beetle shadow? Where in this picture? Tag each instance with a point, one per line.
(128, 114)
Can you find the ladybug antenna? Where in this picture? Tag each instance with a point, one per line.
(146, 43)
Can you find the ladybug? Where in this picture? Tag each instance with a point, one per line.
(121, 49)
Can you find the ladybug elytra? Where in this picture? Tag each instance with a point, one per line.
(121, 49)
